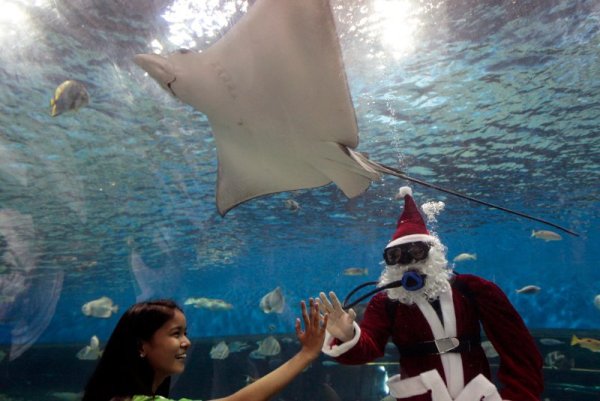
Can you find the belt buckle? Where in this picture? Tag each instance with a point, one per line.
(444, 345)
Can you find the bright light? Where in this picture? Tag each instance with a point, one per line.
(156, 46)
(190, 20)
(398, 24)
(10, 13)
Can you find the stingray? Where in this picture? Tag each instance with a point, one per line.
(275, 92)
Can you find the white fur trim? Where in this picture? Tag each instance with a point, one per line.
(480, 388)
(403, 191)
(411, 238)
(452, 362)
(329, 348)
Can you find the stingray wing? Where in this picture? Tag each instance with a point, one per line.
(275, 92)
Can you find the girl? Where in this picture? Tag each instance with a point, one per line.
(149, 345)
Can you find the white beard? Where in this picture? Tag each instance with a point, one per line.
(435, 267)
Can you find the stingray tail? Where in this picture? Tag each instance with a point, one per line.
(382, 168)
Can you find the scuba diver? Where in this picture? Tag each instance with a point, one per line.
(434, 317)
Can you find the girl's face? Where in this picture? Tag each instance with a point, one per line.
(166, 350)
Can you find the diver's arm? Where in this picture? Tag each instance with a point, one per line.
(312, 341)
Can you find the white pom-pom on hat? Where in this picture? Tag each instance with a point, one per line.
(402, 192)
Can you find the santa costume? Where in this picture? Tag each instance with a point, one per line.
(437, 329)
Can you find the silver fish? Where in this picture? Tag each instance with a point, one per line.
(529, 289)
(546, 235)
(102, 307)
(292, 205)
(90, 352)
(551, 341)
(219, 351)
(209, 303)
(71, 95)
(273, 302)
(465, 256)
(268, 347)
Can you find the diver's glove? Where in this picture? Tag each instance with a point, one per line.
(341, 323)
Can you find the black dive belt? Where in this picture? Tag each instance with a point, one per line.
(441, 346)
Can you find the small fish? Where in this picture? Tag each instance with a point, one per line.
(554, 359)
(102, 307)
(528, 289)
(546, 235)
(329, 363)
(268, 347)
(465, 256)
(597, 301)
(356, 271)
(273, 302)
(69, 96)
(588, 343)
(551, 341)
(291, 205)
(209, 303)
(489, 350)
(238, 346)
(67, 395)
(90, 352)
(219, 351)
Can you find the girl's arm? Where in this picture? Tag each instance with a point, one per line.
(311, 339)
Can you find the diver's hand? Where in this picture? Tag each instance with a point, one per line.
(340, 323)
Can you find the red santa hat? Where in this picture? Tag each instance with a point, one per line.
(411, 226)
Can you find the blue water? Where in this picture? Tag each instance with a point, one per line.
(498, 99)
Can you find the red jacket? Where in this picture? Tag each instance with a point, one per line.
(520, 371)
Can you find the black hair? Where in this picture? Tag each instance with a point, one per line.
(121, 372)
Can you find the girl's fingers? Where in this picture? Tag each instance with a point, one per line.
(304, 312)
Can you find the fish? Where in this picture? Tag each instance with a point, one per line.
(102, 307)
(209, 303)
(280, 111)
(546, 235)
(558, 360)
(238, 346)
(90, 352)
(219, 351)
(273, 302)
(551, 341)
(268, 347)
(588, 343)
(70, 95)
(356, 271)
(291, 205)
(528, 289)
(597, 301)
(66, 395)
(465, 256)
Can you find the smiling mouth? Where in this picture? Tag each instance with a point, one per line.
(181, 356)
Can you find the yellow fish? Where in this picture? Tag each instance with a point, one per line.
(356, 271)
(589, 343)
(70, 95)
